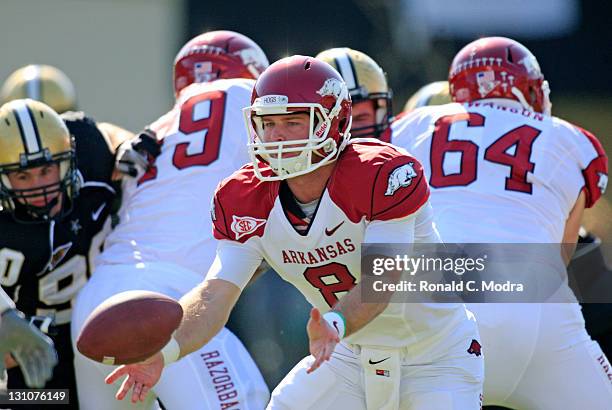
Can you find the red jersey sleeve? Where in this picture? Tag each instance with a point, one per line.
(241, 206)
(596, 171)
(399, 190)
(378, 181)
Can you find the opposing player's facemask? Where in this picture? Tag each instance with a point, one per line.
(366, 81)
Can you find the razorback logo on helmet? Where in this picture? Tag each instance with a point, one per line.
(332, 86)
(475, 348)
(603, 182)
(400, 177)
(250, 56)
(244, 225)
(531, 65)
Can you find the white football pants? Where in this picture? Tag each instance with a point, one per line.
(539, 356)
(452, 382)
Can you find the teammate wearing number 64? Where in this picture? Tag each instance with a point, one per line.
(305, 204)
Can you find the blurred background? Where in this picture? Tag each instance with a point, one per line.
(119, 55)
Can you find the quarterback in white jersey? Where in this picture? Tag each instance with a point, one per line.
(305, 205)
(502, 170)
(164, 240)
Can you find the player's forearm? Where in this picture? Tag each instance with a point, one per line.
(206, 309)
(357, 314)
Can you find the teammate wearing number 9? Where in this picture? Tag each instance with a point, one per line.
(164, 240)
(503, 170)
(305, 204)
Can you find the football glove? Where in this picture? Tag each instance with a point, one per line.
(34, 351)
(134, 156)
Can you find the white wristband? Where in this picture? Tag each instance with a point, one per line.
(337, 321)
(6, 303)
(171, 351)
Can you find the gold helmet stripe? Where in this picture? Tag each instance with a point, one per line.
(27, 127)
(345, 66)
(33, 83)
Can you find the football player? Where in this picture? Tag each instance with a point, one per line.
(56, 193)
(41, 82)
(367, 84)
(33, 351)
(372, 113)
(435, 93)
(164, 242)
(305, 204)
(502, 169)
(588, 266)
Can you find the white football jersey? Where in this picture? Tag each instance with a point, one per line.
(372, 181)
(516, 173)
(165, 215)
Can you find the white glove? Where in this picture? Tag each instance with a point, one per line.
(33, 350)
(134, 156)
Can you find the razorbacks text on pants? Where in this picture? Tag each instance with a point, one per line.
(224, 386)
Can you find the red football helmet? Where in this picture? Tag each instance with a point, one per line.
(299, 84)
(499, 67)
(217, 54)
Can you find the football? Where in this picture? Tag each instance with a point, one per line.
(129, 327)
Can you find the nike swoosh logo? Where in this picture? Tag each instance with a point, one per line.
(380, 361)
(96, 214)
(330, 232)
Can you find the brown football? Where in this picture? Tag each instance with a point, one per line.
(129, 327)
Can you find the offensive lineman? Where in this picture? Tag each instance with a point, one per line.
(164, 242)
(503, 170)
(306, 209)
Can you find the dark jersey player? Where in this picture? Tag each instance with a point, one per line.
(56, 194)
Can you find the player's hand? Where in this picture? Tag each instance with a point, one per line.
(134, 156)
(9, 362)
(141, 377)
(31, 349)
(322, 339)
